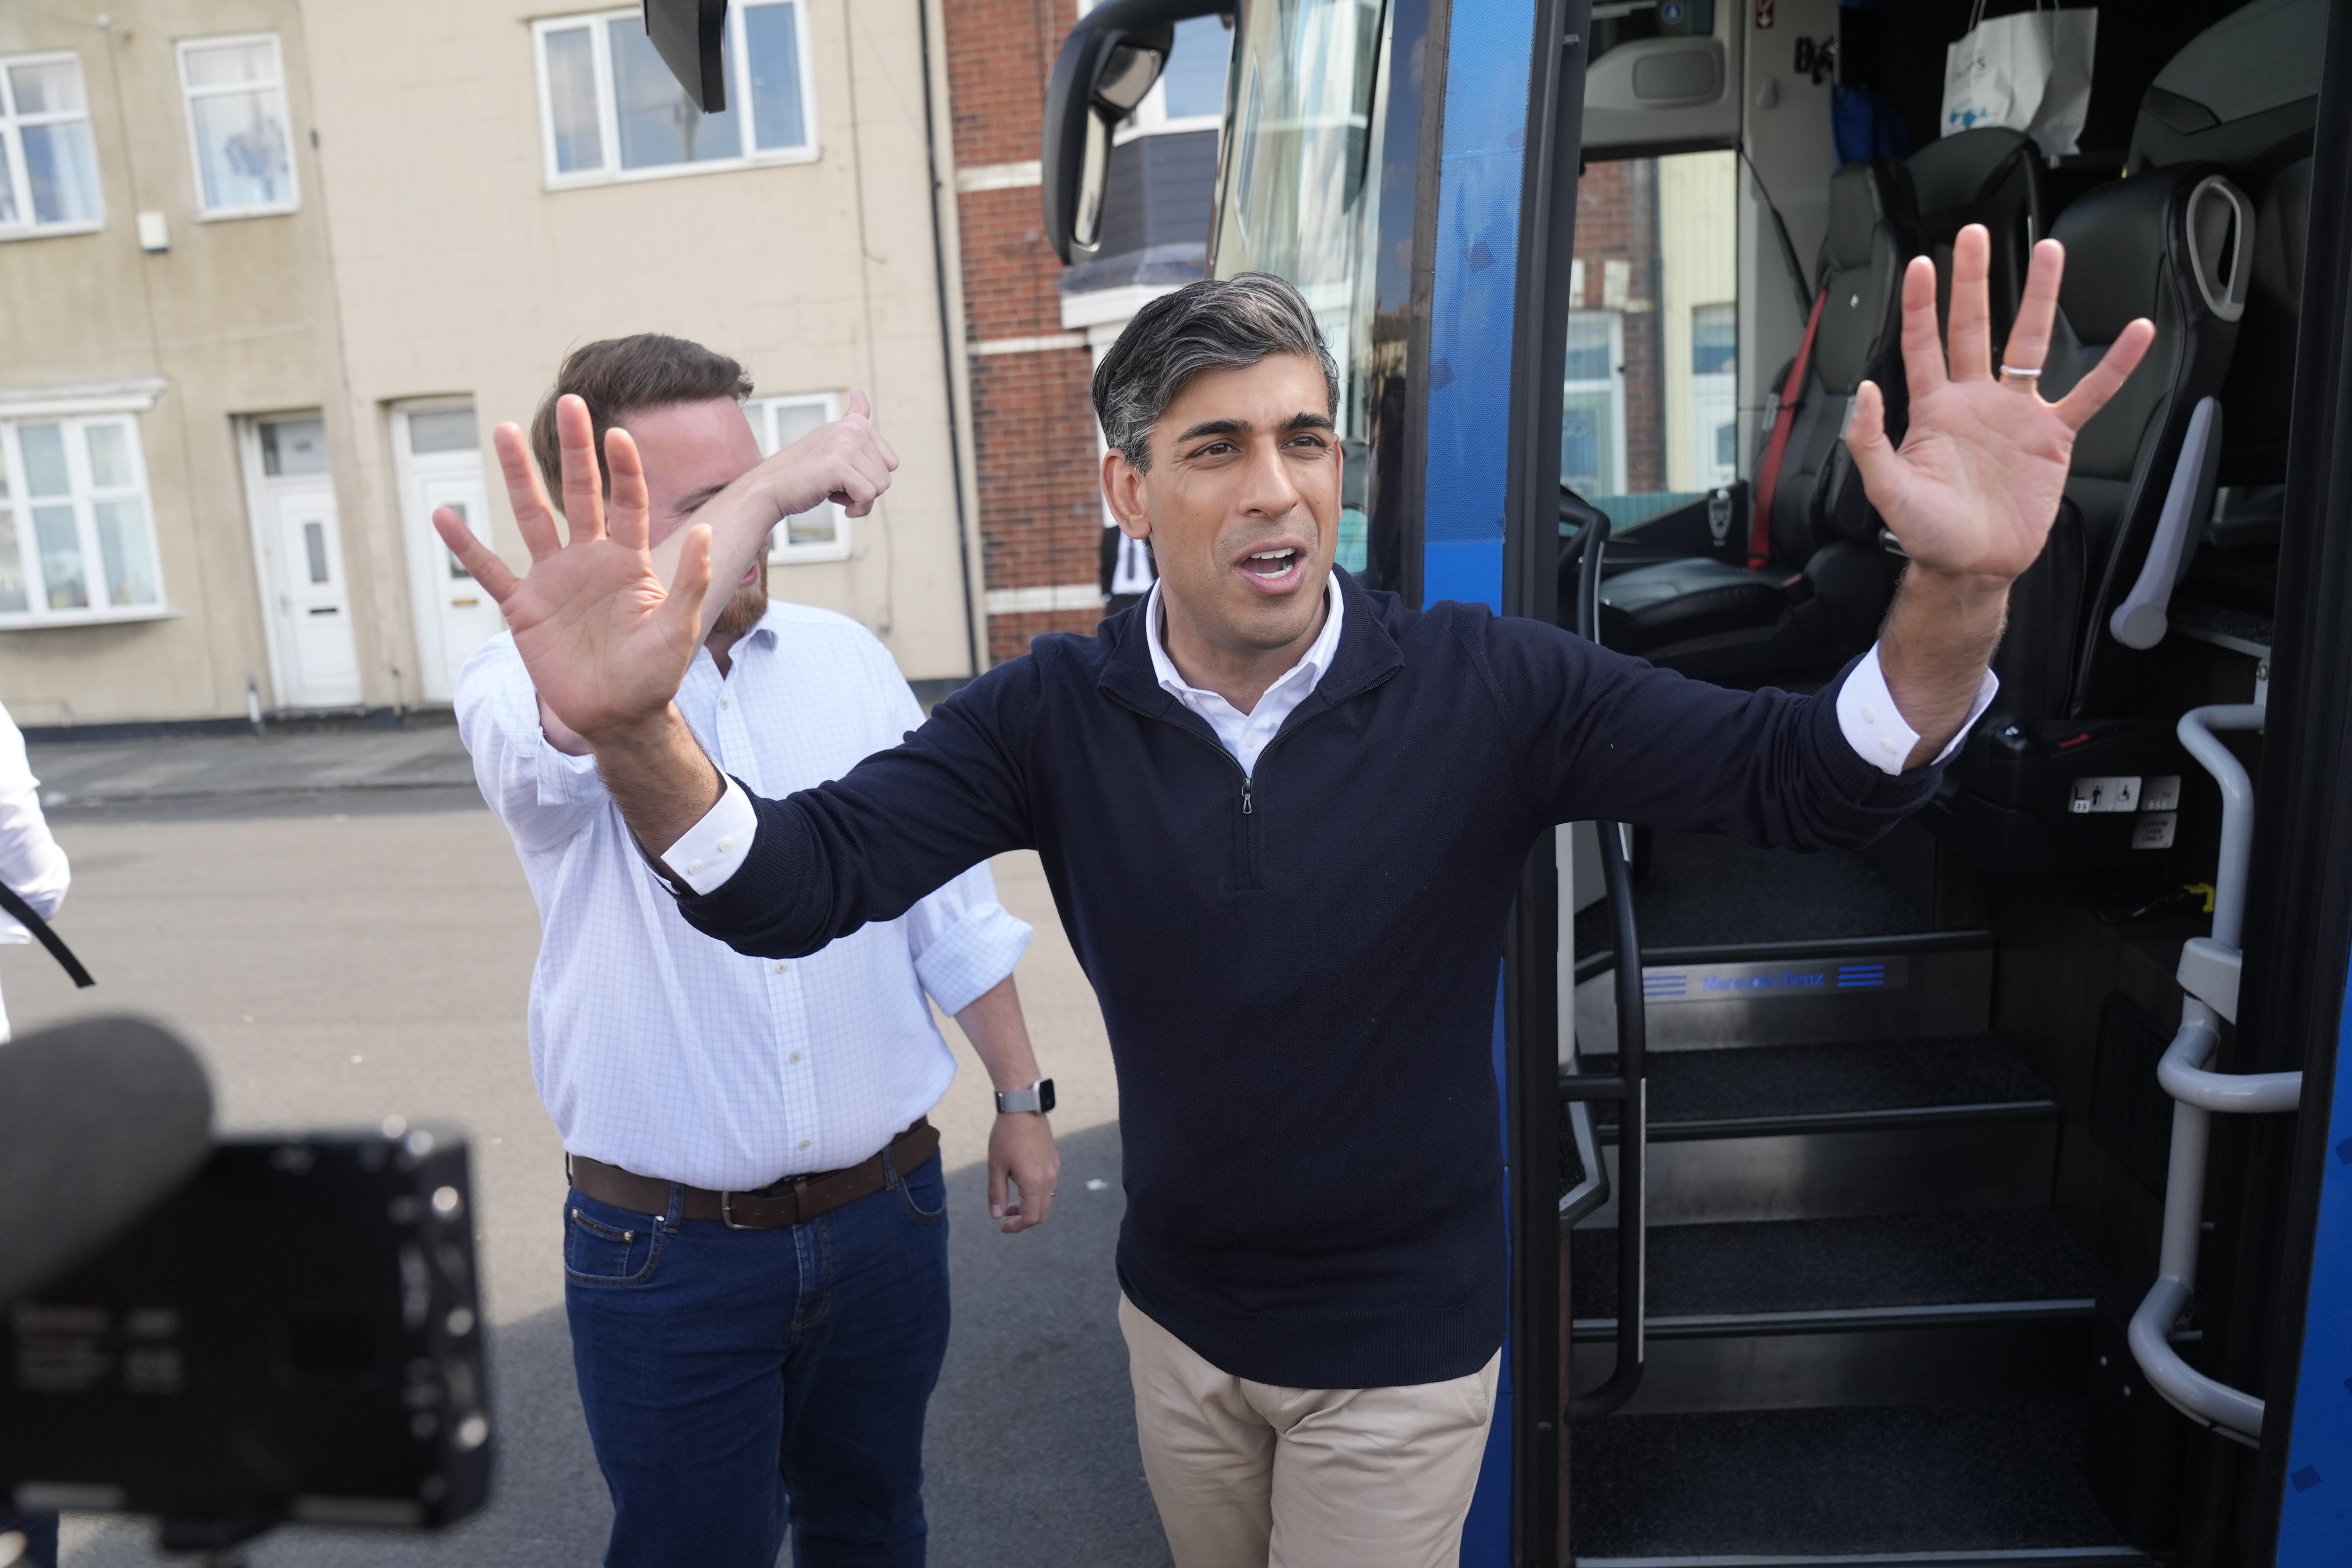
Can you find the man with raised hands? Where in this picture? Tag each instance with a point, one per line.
(1283, 819)
(755, 1241)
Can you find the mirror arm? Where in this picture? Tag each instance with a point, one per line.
(1075, 161)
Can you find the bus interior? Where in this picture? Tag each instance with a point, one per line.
(1909, 1155)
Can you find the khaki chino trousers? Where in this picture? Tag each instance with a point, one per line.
(1251, 1475)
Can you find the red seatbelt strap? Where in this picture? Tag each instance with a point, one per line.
(1768, 479)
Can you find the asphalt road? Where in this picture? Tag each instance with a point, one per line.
(347, 953)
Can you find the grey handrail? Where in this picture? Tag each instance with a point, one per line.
(1629, 1085)
(2209, 977)
(2141, 621)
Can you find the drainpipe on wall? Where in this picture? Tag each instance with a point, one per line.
(947, 339)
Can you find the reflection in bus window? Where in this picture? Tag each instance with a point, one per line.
(1650, 417)
(1296, 200)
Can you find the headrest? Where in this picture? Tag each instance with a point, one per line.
(1963, 168)
(2243, 93)
(1866, 195)
(2120, 237)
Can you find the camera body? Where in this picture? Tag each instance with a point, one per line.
(293, 1334)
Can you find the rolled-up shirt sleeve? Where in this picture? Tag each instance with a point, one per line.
(543, 795)
(964, 943)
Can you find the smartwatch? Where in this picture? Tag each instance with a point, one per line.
(1037, 1097)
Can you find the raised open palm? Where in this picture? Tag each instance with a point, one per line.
(605, 643)
(1976, 484)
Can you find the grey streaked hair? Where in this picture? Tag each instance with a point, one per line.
(1218, 323)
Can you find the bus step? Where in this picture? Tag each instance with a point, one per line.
(1840, 1128)
(1921, 1486)
(1764, 994)
(1887, 1309)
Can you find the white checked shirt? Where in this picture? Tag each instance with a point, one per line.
(30, 861)
(660, 1050)
(714, 848)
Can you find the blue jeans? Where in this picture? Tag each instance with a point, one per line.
(735, 1380)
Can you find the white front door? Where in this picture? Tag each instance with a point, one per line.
(314, 655)
(440, 460)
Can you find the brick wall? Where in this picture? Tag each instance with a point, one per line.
(1034, 433)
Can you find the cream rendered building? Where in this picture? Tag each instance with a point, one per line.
(270, 270)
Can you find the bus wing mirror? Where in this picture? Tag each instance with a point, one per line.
(686, 34)
(1108, 63)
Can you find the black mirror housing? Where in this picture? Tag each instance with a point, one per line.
(1108, 63)
(687, 35)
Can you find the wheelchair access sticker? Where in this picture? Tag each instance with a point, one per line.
(1739, 982)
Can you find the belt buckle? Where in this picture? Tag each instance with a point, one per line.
(727, 1204)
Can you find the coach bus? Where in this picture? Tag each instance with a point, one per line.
(1967, 1200)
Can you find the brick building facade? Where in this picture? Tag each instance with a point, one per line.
(1033, 442)
(1033, 328)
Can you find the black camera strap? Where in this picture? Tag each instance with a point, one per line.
(22, 913)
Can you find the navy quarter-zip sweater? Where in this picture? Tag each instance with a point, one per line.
(1297, 968)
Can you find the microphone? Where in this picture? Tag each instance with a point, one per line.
(99, 1120)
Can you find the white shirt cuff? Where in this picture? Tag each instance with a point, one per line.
(1875, 728)
(714, 848)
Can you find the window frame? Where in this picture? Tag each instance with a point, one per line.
(12, 149)
(608, 115)
(84, 495)
(189, 93)
(780, 551)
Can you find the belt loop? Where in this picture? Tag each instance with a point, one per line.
(677, 1203)
(890, 1165)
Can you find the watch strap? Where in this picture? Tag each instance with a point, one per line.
(1037, 1097)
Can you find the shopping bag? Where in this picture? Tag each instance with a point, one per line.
(2031, 72)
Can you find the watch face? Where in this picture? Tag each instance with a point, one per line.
(1044, 1094)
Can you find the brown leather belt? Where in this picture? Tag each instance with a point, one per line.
(792, 1201)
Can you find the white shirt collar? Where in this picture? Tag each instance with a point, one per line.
(1313, 662)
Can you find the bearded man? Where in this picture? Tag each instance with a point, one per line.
(755, 1238)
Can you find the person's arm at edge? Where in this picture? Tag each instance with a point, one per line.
(32, 862)
(1021, 1145)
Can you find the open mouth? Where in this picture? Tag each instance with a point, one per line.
(1275, 568)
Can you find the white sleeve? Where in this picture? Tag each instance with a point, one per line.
(964, 943)
(31, 864)
(1876, 728)
(543, 795)
(713, 849)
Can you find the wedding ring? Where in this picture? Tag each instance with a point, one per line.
(2021, 371)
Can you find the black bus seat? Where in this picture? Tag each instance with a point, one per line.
(2169, 245)
(1814, 586)
(2244, 95)
(1991, 175)
(2238, 566)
